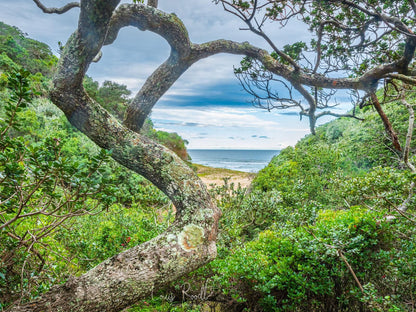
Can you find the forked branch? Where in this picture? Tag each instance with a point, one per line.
(61, 10)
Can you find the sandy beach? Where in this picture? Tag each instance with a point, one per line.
(216, 176)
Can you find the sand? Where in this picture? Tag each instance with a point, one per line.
(216, 176)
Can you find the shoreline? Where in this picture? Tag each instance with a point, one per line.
(211, 176)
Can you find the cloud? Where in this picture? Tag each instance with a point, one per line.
(221, 117)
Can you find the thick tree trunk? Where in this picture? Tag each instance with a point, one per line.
(188, 244)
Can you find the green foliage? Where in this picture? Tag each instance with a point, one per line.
(244, 5)
(6, 63)
(246, 64)
(171, 140)
(41, 189)
(112, 96)
(294, 51)
(323, 204)
(28, 53)
(305, 177)
(284, 245)
(340, 42)
(50, 175)
(95, 238)
(300, 269)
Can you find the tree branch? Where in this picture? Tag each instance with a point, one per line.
(403, 78)
(155, 86)
(327, 113)
(169, 26)
(386, 122)
(413, 4)
(172, 29)
(409, 134)
(61, 10)
(184, 54)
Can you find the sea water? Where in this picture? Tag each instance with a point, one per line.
(241, 160)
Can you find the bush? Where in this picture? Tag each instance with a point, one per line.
(301, 269)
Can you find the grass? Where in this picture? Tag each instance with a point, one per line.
(204, 171)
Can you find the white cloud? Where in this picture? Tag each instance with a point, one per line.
(213, 117)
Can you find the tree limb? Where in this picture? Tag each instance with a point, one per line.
(409, 134)
(328, 113)
(413, 4)
(404, 78)
(61, 10)
(184, 54)
(386, 122)
(341, 255)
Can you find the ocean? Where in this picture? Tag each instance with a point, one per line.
(241, 160)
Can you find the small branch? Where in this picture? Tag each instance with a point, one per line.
(42, 260)
(350, 269)
(318, 48)
(386, 121)
(61, 10)
(403, 207)
(409, 134)
(413, 4)
(341, 255)
(404, 78)
(328, 113)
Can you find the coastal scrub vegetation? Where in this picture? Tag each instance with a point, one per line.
(327, 225)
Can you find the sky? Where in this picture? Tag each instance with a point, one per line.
(206, 106)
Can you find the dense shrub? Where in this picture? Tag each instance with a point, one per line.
(304, 268)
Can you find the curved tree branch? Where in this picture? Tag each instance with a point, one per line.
(171, 28)
(184, 54)
(61, 10)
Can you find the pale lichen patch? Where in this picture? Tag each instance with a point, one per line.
(191, 236)
(171, 238)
